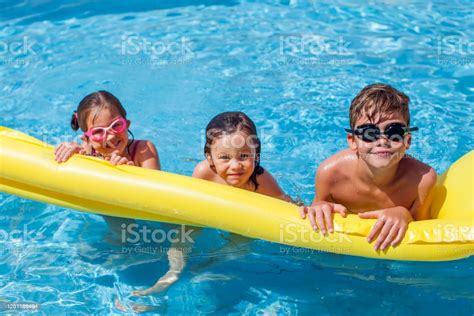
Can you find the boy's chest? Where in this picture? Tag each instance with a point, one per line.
(359, 197)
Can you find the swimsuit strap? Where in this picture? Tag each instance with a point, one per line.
(133, 151)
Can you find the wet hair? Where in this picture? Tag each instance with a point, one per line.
(378, 99)
(96, 100)
(228, 123)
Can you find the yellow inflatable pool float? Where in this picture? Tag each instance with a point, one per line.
(28, 169)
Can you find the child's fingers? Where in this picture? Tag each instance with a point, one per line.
(390, 237)
(59, 152)
(302, 210)
(119, 160)
(378, 225)
(58, 148)
(65, 151)
(61, 149)
(115, 159)
(64, 154)
(131, 163)
(312, 219)
(67, 154)
(122, 161)
(370, 215)
(383, 235)
(401, 233)
(320, 220)
(339, 208)
(328, 218)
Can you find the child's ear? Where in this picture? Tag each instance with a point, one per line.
(408, 141)
(351, 141)
(129, 123)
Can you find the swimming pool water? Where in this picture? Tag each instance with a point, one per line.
(293, 67)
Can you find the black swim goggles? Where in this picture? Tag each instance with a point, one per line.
(371, 132)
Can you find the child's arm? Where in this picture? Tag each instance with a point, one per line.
(421, 207)
(392, 223)
(178, 254)
(320, 213)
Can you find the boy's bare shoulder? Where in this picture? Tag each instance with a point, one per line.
(338, 164)
(203, 171)
(419, 170)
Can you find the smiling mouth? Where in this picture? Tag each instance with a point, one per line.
(383, 154)
(112, 145)
(235, 174)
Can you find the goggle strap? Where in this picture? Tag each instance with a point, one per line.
(411, 129)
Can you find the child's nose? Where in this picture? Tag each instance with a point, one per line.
(235, 164)
(110, 136)
(383, 140)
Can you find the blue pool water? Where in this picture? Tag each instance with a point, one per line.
(293, 67)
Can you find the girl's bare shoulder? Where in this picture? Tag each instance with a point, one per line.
(203, 171)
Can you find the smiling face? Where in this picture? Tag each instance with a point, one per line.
(381, 153)
(233, 158)
(103, 117)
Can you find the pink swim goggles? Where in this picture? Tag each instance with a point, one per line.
(99, 134)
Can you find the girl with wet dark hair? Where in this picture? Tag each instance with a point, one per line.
(232, 152)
